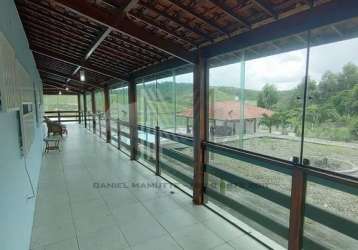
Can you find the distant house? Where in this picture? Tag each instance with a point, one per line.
(225, 116)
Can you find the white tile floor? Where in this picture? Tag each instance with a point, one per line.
(72, 214)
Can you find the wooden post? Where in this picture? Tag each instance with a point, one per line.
(93, 99)
(85, 108)
(107, 112)
(133, 130)
(200, 92)
(157, 151)
(79, 107)
(298, 195)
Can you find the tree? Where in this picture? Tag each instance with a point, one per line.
(354, 128)
(268, 97)
(269, 121)
(296, 98)
(328, 85)
(349, 77)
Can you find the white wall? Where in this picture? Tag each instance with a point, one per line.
(16, 208)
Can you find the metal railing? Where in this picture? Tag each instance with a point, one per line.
(165, 159)
(325, 178)
(64, 116)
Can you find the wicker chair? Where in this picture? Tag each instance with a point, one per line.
(55, 128)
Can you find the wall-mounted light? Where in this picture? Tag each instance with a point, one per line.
(82, 75)
(67, 89)
(59, 92)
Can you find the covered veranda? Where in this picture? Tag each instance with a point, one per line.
(91, 196)
(132, 175)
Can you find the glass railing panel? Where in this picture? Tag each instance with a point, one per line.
(146, 147)
(331, 215)
(176, 158)
(257, 195)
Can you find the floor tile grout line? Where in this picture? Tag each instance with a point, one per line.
(108, 207)
(70, 203)
(138, 170)
(170, 234)
(149, 213)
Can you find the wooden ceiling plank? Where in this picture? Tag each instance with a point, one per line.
(68, 60)
(265, 7)
(125, 26)
(59, 87)
(130, 51)
(104, 34)
(138, 46)
(173, 19)
(55, 21)
(52, 30)
(54, 12)
(230, 13)
(61, 75)
(321, 15)
(197, 16)
(74, 87)
(161, 27)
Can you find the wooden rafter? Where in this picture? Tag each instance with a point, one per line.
(199, 17)
(62, 85)
(230, 13)
(57, 74)
(319, 16)
(68, 60)
(105, 33)
(262, 4)
(150, 51)
(107, 19)
(91, 49)
(175, 20)
(59, 87)
(146, 20)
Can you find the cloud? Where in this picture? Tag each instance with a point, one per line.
(287, 70)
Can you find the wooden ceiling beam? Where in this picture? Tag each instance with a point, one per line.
(173, 19)
(319, 16)
(98, 42)
(147, 21)
(123, 56)
(52, 92)
(37, 35)
(61, 75)
(54, 13)
(47, 20)
(108, 19)
(106, 62)
(197, 16)
(35, 42)
(265, 7)
(105, 33)
(153, 53)
(71, 86)
(127, 6)
(60, 87)
(230, 13)
(100, 38)
(130, 51)
(68, 60)
(53, 31)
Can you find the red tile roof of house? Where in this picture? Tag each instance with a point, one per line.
(230, 110)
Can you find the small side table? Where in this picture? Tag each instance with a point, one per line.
(52, 143)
